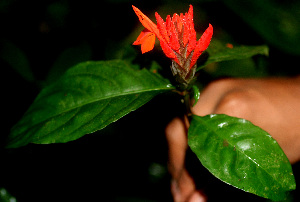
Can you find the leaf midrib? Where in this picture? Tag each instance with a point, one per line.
(113, 96)
(103, 126)
(98, 100)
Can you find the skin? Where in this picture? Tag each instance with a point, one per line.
(271, 103)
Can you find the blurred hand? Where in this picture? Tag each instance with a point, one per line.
(272, 104)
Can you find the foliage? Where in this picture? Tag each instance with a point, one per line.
(241, 154)
(91, 95)
(79, 97)
(87, 98)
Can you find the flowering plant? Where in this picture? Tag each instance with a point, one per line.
(92, 95)
(177, 38)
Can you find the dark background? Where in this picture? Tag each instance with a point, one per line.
(127, 161)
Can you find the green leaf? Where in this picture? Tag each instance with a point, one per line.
(242, 155)
(219, 52)
(87, 98)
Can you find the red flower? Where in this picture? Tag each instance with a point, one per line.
(177, 38)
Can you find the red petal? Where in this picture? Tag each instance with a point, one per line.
(148, 43)
(174, 42)
(202, 44)
(192, 33)
(168, 24)
(186, 31)
(140, 37)
(146, 22)
(161, 25)
(167, 50)
(192, 40)
(190, 12)
(180, 22)
(146, 39)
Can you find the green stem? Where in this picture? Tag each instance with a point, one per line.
(187, 102)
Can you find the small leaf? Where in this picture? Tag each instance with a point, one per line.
(218, 52)
(196, 94)
(87, 98)
(242, 155)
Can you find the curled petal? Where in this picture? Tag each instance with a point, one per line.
(202, 44)
(148, 43)
(146, 39)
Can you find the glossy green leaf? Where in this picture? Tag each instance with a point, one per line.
(241, 154)
(87, 98)
(219, 52)
(196, 94)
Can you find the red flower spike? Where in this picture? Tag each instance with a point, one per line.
(177, 38)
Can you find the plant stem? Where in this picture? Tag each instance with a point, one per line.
(187, 102)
